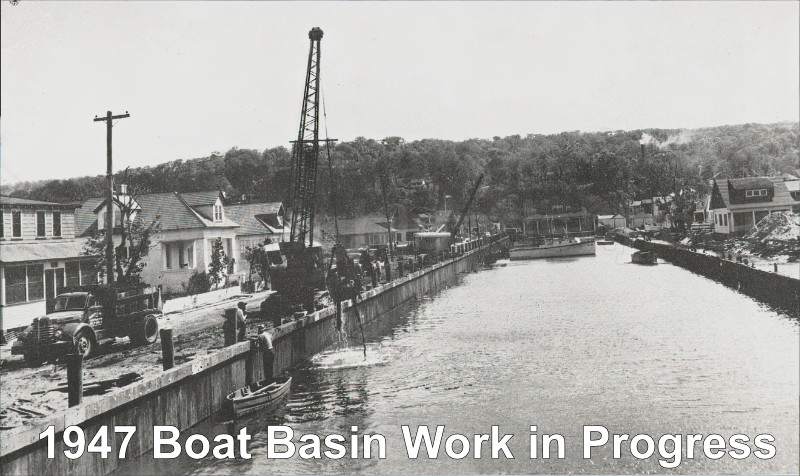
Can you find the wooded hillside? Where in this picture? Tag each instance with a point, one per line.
(599, 171)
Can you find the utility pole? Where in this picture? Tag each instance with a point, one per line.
(109, 118)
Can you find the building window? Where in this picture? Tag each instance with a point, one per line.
(756, 193)
(217, 212)
(24, 283)
(16, 225)
(2, 225)
(35, 282)
(88, 273)
(190, 254)
(40, 228)
(243, 245)
(167, 256)
(73, 273)
(15, 284)
(181, 256)
(117, 217)
(56, 223)
(725, 219)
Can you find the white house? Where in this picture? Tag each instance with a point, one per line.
(258, 222)
(738, 204)
(189, 225)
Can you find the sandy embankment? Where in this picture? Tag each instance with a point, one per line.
(195, 333)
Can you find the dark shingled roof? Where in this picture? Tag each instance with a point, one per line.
(750, 183)
(85, 218)
(358, 226)
(24, 202)
(172, 212)
(249, 216)
(170, 208)
(199, 199)
(781, 198)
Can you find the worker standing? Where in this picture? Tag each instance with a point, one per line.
(265, 343)
(241, 317)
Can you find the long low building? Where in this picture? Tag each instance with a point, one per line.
(39, 255)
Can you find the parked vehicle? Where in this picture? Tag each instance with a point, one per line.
(86, 317)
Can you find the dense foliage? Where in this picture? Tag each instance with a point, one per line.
(199, 283)
(600, 171)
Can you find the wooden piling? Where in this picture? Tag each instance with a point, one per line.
(167, 349)
(74, 379)
(229, 327)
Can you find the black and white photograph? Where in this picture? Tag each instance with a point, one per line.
(399, 237)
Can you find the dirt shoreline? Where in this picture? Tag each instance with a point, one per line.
(195, 333)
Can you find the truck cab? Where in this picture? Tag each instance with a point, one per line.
(85, 318)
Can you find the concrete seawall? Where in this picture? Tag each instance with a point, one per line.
(190, 393)
(771, 288)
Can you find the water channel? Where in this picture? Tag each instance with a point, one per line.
(554, 343)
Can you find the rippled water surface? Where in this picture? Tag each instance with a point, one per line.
(558, 344)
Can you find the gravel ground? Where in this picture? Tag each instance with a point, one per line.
(195, 333)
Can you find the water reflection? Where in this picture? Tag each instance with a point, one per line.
(558, 344)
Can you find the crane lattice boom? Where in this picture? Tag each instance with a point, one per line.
(305, 153)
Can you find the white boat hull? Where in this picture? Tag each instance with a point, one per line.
(553, 251)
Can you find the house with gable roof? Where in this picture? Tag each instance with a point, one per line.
(189, 224)
(739, 203)
(258, 222)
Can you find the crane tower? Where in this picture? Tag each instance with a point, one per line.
(305, 153)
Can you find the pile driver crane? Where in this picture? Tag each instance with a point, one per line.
(301, 273)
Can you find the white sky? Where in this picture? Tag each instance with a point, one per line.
(199, 77)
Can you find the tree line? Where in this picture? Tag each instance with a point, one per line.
(600, 171)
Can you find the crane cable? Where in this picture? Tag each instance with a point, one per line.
(334, 199)
(334, 195)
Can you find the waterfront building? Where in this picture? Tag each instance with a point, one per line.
(611, 221)
(739, 203)
(188, 225)
(362, 232)
(39, 255)
(703, 215)
(258, 223)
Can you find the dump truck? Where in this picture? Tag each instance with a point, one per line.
(86, 317)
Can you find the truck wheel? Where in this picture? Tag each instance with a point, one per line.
(145, 331)
(84, 344)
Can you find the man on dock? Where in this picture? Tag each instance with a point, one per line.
(241, 316)
(265, 343)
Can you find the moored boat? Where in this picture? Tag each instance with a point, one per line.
(264, 395)
(553, 250)
(644, 257)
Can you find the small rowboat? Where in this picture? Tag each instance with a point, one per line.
(262, 396)
(644, 257)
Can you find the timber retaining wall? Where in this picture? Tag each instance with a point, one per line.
(772, 288)
(189, 393)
